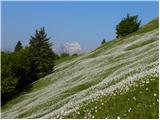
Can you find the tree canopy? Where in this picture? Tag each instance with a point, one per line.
(127, 25)
(25, 65)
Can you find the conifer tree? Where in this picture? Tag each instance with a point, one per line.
(41, 54)
(18, 46)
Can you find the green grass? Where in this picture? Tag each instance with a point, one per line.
(61, 60)
(138, 102)
(139, 44)
(51, 102)
(149, 26)
(105, 46)
(88, 84)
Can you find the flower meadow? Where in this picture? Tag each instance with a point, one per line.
(117, 80)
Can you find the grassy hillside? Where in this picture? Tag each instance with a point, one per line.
(117, 80)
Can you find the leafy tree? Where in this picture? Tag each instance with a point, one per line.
(103, 41)
(9, 81)
(22, 67)
(18, 46)
(41, 54)
(127, 25)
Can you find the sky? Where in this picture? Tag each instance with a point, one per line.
(86, 23)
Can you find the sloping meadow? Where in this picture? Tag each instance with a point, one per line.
(117, 80)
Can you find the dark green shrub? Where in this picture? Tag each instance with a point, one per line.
(103, 41)
(127, 25)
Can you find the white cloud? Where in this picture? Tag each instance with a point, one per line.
(71, 48)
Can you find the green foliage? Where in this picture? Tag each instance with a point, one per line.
(8, 87)
(127, 25)
(64, 55)
(24, 66)
(15, 72)
(103, 41)
(41, 55)
(9, 81)
(18, 46)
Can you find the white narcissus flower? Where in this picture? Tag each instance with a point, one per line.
(78, 112)
(134, 98)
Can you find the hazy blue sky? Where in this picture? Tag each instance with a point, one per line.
(85, 22)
